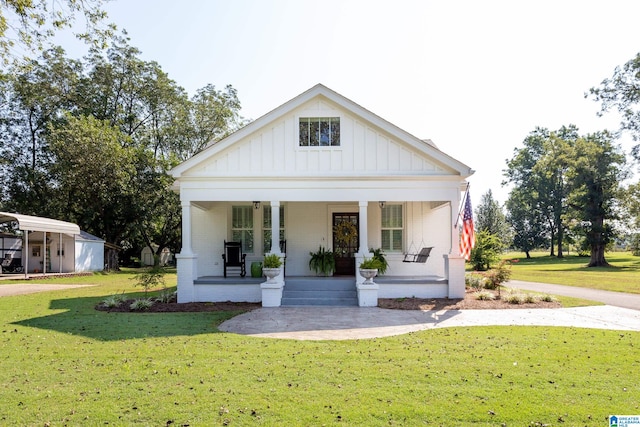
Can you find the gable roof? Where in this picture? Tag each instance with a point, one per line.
(425, 146)
(36, 223)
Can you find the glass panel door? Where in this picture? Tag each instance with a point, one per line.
(345, 242)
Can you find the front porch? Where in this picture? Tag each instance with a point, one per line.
(317, 290)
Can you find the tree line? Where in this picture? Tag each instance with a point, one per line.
(568, 187)
(91, 141)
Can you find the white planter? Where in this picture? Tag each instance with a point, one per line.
(271, 274)
(368, 274)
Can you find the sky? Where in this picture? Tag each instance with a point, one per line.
(476, 77)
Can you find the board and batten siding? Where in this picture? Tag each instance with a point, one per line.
(274, 151)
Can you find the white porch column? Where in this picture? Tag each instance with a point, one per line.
(454, 262)
(44, 252)
(363, 235)
(456, 223)
(275, 228)
(186, 259)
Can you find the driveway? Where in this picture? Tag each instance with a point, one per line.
(32, 288)
(618, 299)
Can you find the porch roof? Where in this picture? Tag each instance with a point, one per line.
(36, 223)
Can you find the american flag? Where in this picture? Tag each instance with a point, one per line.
(468, 240)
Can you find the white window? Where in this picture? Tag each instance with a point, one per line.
(392, 228)
(319, 131)
(242, 226)
(266, 227)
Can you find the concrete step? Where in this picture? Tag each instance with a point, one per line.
(316, 293)
(319, 291)
(342, 302)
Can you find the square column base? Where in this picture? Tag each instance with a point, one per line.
(272, 294)
(367, 295)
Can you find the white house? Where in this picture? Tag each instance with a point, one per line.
(297, 175)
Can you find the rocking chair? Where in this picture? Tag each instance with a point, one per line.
(233, 257)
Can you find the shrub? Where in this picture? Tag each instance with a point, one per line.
(166, 296)
(485, 296)
(529, 299)
(486, 251)
(547, 298)
(473, 281)
(514, 299)
(141, 304)
(113, 301)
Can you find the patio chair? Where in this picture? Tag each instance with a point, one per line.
(234, 258)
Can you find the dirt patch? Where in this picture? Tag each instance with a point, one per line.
(469, 302)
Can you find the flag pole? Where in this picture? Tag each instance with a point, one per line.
(464, 199)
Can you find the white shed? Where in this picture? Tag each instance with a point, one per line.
(89, 252)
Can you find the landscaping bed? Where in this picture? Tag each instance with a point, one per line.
(470, 302)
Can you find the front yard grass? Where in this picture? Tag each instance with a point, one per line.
(622, 276)
(65, 363)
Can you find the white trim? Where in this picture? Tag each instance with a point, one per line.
(35, 223)
(322, 91)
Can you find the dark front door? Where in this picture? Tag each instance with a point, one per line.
(345, 242)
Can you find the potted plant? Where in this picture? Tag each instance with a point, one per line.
(322, 262)
(271, 266)
(369, 269)
(379, 255)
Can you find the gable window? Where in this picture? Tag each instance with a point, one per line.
(266, 227)
(319, 131)
(392, 228)
(242, 227)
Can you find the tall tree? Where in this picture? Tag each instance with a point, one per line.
(538, 170)
(621, 92)
(27, 25)
(36, 95)
(597, 168)
(529, 228)
(490, 218)
(93, 171)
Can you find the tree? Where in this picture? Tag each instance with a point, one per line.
(93, 172)
(26, 25)
(489, 217)
(486, 251)
(538, 170)
(595, 173)
(530, 230)
(36, 95)
(622, 93)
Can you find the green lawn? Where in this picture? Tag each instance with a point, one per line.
(64, 363)
(622, 276)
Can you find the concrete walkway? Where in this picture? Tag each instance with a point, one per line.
(343, 323)
(618, 299)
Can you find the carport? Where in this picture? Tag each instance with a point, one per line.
(46, 231)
